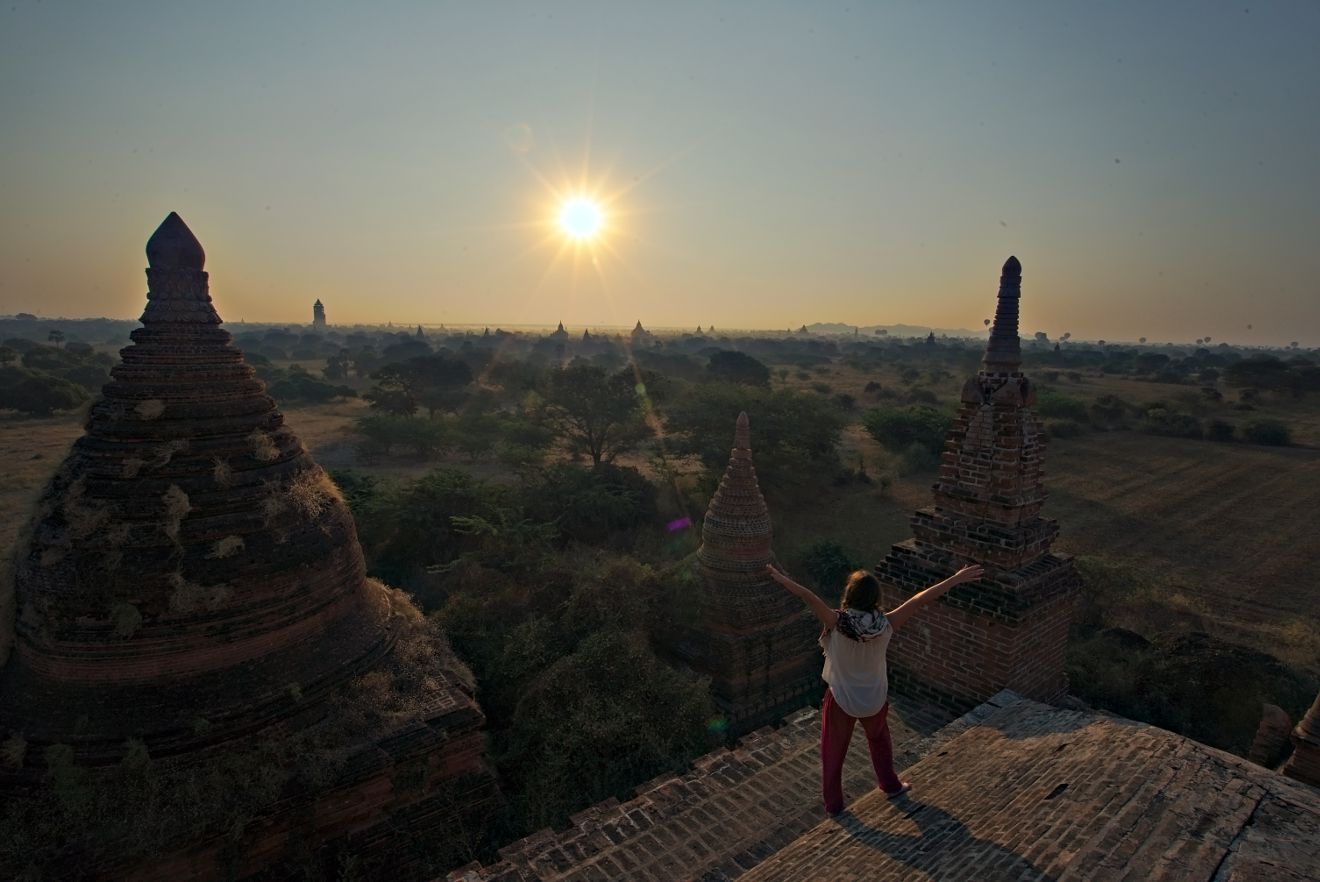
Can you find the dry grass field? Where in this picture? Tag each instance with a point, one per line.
(31, 450)
(1224, 534)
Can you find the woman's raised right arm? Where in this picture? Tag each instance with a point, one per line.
(828, 617)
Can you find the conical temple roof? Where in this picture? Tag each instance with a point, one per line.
(192, 573)
(1003, 353)
(736, 534)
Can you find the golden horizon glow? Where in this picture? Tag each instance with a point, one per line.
(581, 218)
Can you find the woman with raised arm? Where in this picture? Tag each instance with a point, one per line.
(855, 640)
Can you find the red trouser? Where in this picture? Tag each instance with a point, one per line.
(836, 729)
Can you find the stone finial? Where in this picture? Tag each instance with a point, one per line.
(1003, 354)
(173, 246)
(178, 296)
(742, 433)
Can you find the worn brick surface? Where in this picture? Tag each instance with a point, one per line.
(1032, 792)
(734, 809)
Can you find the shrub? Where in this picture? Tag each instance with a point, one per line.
(921, 395)
(1050, 403)
(1063, 428)
(916, 457)
(36, 393)
(382, 432)
(1218, 430)
(737, 367)
(1267, 432)
(588, 504)
(1160, 421)
(1108, 412)
(898, 429)
(301, 386)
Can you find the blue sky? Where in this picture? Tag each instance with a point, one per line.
(763, 164)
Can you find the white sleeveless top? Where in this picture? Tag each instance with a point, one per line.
(856, 671)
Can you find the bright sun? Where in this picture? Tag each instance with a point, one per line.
(580, 218)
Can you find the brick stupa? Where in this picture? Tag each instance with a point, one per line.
(756, 641)
(193, 585)
(1007, 631)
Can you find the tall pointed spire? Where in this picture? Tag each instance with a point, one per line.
(736, 535)
(1003, 354)
(1012, 625)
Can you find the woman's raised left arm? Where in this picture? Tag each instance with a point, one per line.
(828, 617)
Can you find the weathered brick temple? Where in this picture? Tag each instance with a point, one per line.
(754, 640)
(1007, 631)
(193, 592)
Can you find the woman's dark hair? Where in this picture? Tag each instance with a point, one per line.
(861, 591)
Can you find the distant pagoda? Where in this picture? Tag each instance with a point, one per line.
(1007, 631)
(755, 641)
(318, 316)
(193, 587)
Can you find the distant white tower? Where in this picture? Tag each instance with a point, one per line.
(318, 316)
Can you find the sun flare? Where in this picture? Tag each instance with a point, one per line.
(580, 218)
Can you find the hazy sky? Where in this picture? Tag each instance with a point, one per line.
(1155, 166)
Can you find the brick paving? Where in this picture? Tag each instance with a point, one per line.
(1032, 792)
(733, 809)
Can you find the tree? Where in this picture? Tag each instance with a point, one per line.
(391, 395)
(597, 413)
(1261, 372)
(337, 366)
(795, 435)
(599, 720)
(591, 505)
(899, 428)
(7, 356)
(435, 382)
(56, 337)
(737, 367)
(36, 393)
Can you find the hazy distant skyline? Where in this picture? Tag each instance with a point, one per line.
(1152, 165)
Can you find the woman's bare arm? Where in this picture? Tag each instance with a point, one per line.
(898, 616)
(822, 611)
